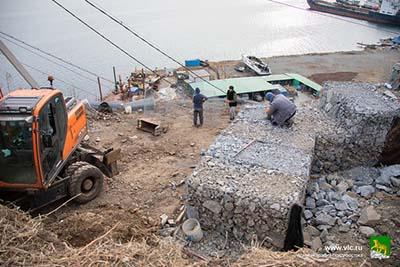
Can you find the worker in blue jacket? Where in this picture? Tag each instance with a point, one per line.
(198, 100)
(280, 110)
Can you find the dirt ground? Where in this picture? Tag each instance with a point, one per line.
(362, 66)
(153, 168)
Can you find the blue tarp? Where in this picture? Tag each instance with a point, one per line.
(396, 40)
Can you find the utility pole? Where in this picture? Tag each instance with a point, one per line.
(115, 80)
(18, 66)
(101, 93)
(144, 83)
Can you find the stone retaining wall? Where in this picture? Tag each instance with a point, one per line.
(363, 117)
(243, 200)
(253, 173)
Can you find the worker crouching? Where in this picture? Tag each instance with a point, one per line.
(281, 110)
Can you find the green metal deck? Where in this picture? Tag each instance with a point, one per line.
(246, 85)
(313, 85)
(277, 78)
(242, 86)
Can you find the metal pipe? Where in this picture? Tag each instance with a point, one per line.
(144, 104)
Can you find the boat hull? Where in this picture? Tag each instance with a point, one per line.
(371, 16)
(256, 65)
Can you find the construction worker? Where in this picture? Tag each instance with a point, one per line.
(198, 100)
(280, 110)
(231, 98)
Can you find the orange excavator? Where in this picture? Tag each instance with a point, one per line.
(42, 156)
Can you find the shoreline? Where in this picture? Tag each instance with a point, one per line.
(368, 65)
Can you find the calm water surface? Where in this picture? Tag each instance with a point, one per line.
(207, 29)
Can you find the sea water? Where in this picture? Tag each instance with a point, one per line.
(185, 29)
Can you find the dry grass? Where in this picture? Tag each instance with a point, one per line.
(27, 241)
(257, 256)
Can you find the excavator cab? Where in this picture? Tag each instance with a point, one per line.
(42, 156)
(16, 150)
(41, 149)
(33, 131)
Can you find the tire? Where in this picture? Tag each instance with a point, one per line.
(74, 166)
(86, 181)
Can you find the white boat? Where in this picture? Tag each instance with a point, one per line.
(256, 64)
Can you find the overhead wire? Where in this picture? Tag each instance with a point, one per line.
(10, 78)
(52, 61)
(67, 83)
(331, 16)
(54, 56)
(160, 50)
(106, 38)
(119, 22)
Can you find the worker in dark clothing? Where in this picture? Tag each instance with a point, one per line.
(280, 110)
(198, 100)
(270, 97)
(231, 98)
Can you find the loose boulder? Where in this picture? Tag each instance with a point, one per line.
(369, 216)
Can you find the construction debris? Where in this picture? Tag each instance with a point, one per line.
(137, 85)
(181, 215)
(164, 219)
(151, 126)
(191, 228)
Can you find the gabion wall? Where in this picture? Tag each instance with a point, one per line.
(363, 117)
(253, 173)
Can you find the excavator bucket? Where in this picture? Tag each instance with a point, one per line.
(106, 161)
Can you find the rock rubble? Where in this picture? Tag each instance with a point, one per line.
(247, 181)
(332, 206)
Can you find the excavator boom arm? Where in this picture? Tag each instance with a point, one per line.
(18, 66)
